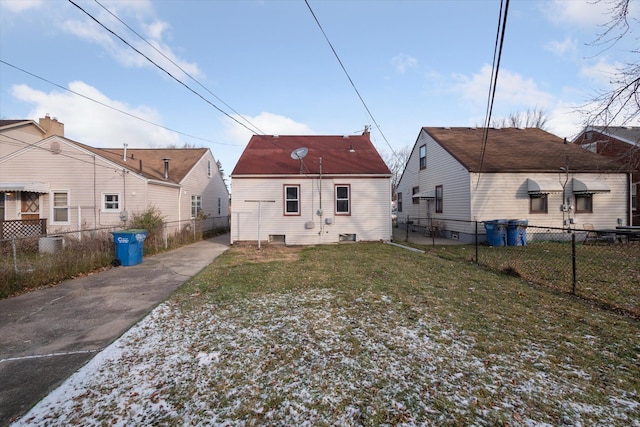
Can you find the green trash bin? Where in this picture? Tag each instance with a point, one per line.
(129, 246)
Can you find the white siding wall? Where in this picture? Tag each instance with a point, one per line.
(18, 138)
(74, 170)
(369, 220)
(197, 182)
(442, 169)
(505, 196)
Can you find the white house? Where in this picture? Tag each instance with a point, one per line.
(64, 185)
(460, 175)
(307, 190)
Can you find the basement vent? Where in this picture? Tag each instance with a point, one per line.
(454, 235)
(347, 238)
(277, 238)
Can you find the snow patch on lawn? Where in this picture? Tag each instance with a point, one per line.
(309, 359)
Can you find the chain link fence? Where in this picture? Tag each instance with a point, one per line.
(31, 260)
(602, 266)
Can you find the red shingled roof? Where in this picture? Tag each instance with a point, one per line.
(271, 155)
(517, 150)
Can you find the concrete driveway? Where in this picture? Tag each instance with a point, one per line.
(46, 335)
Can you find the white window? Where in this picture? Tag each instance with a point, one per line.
(196, 205)
(111, 202)
(634, 196)
(60, 207)
(584, 203)
(209, 168)
(292, 200)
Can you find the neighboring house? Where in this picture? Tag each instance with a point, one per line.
(621, 144)
(306, 190)
(64, 185)
(525, 174)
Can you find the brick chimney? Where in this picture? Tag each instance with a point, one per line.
(51, 126)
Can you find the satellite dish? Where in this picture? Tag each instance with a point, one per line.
(299, 153)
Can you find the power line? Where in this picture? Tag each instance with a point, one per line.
(166, 72)
(176, 65)
(109, 106)
(349, 77)
(497, 54)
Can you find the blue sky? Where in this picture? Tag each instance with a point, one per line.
(415, 63)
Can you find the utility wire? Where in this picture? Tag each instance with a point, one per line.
(177, 66)
(110, 106)
(167, 72)
(497, 54)
(349, 77)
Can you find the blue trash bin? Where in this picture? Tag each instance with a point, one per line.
(129, 246)
(496, 232)
(517, 234)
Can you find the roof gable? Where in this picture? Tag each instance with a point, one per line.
(517, 150)
(271, 155)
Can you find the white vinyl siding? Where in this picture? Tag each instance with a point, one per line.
(369, 220)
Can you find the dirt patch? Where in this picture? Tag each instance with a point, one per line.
(266, 253)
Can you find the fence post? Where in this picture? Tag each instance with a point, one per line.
(573, 262)
(476, 238)
(15, 257)
(407, 231)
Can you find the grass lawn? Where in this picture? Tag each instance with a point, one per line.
(360, 334)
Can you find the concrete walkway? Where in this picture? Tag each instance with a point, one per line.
(48, 334)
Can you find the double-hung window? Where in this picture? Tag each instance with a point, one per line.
(60, 207)
(439, 198)
(423, 156)
(111, 202)
(292, 200)
(196, 205)
(343, 199)
(399, 202)
(415, 200)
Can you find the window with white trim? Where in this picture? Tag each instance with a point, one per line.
(634, 196)
(343, 199)
(111, 202)
(399, 202)
(209, 168)
(196, 205)
(292, 200)
(60, 207)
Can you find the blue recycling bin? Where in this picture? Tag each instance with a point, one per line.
(129, 246)
(496, 232)
(517, 233)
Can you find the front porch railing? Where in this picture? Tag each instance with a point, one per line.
(23, 228)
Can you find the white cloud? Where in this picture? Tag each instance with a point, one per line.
(17, 6)
(267, 123)
(586, 14)
(94, 124)
(512, 90)
(601, 72)
(155, 32)
(403, 62)
(568, 46)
